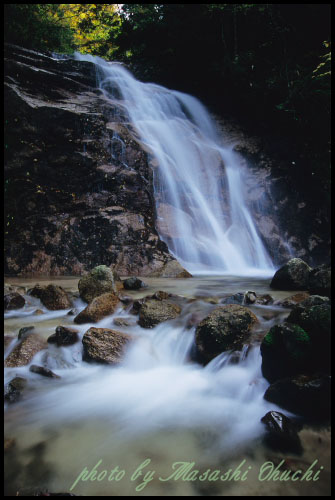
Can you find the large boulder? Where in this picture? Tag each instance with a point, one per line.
(286, 350)
(225, 328)
(294, 275)
(23, 353)
(305, 395)
(97, 282)
(281, 432)
(152, 312)
(13, 301)
(320, 281)
(101, 306)
(103, 345)
(53, 297)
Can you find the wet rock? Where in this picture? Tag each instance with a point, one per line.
(305, 395)
(172, 269)
(286, 351)
(250, 297)
(14, 389)
(292, 300)
(159, 295)
(123, 322)
(294, 275)
(282, 433)
(225, 328)
(237, 298)
(133, 284)
(23, 331)
(73, 312)
(153, 312)
(315, 300)
(101, 306)
(64, 336)
(23, 353)
(264, 299)
(98, 281)
(53, 297)
(38, 312)
(103, 345)
(13, 300)
(320, 281)
(41, 370)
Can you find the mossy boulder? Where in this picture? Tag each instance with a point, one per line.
(305, 395)
(225, 328)
(101, 306)
(98, 281)
(286, 350)
(152, 312)
(64, 336)
(294, 275)
(103, 345)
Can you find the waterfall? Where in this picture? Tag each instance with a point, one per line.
(198, 182)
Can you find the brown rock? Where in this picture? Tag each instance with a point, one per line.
(53, 297)
(23, 353)
(100, 307)
(103, 345)
(13, 301)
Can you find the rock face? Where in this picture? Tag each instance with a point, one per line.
(98, 281)
(286, 350)
(100, 307)
(53, 297)
(306, 395)
(153, 312)
(59, 131)
(224, 329)
(23, 353)
(13, 301)
(103, 345)
(294, 275)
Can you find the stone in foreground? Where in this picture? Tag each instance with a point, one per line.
(226, 328)
(103, 345)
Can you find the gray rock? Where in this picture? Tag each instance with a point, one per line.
(153, 312)
(294, 275)
(133, 284)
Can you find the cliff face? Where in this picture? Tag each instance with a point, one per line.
(77, 185)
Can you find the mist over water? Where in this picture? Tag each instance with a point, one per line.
(198, 181)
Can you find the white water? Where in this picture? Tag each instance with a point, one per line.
(198, 183)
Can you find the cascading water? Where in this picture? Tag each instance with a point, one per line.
(201, 210)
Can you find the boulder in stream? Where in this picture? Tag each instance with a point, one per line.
(64, 336)
(286, 350)
(101, 306)
(225, 328)
(53, 297)
(152, 312)
(14, 389)
(98, 281)
(281, 433)
(133, 283)
(23, 353)
(305, 395)
(41, 370)
(103, 345)
(294, 275)
(13, 300)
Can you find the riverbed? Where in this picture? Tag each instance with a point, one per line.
(158, 407)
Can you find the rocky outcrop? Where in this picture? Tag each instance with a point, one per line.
(59, 131)
(100, 307)
(225, 328)
(103, 345)
(23, 353)
(99, 280)
(53, 297)
(153, 312)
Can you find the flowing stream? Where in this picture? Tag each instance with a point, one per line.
(198, 181)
